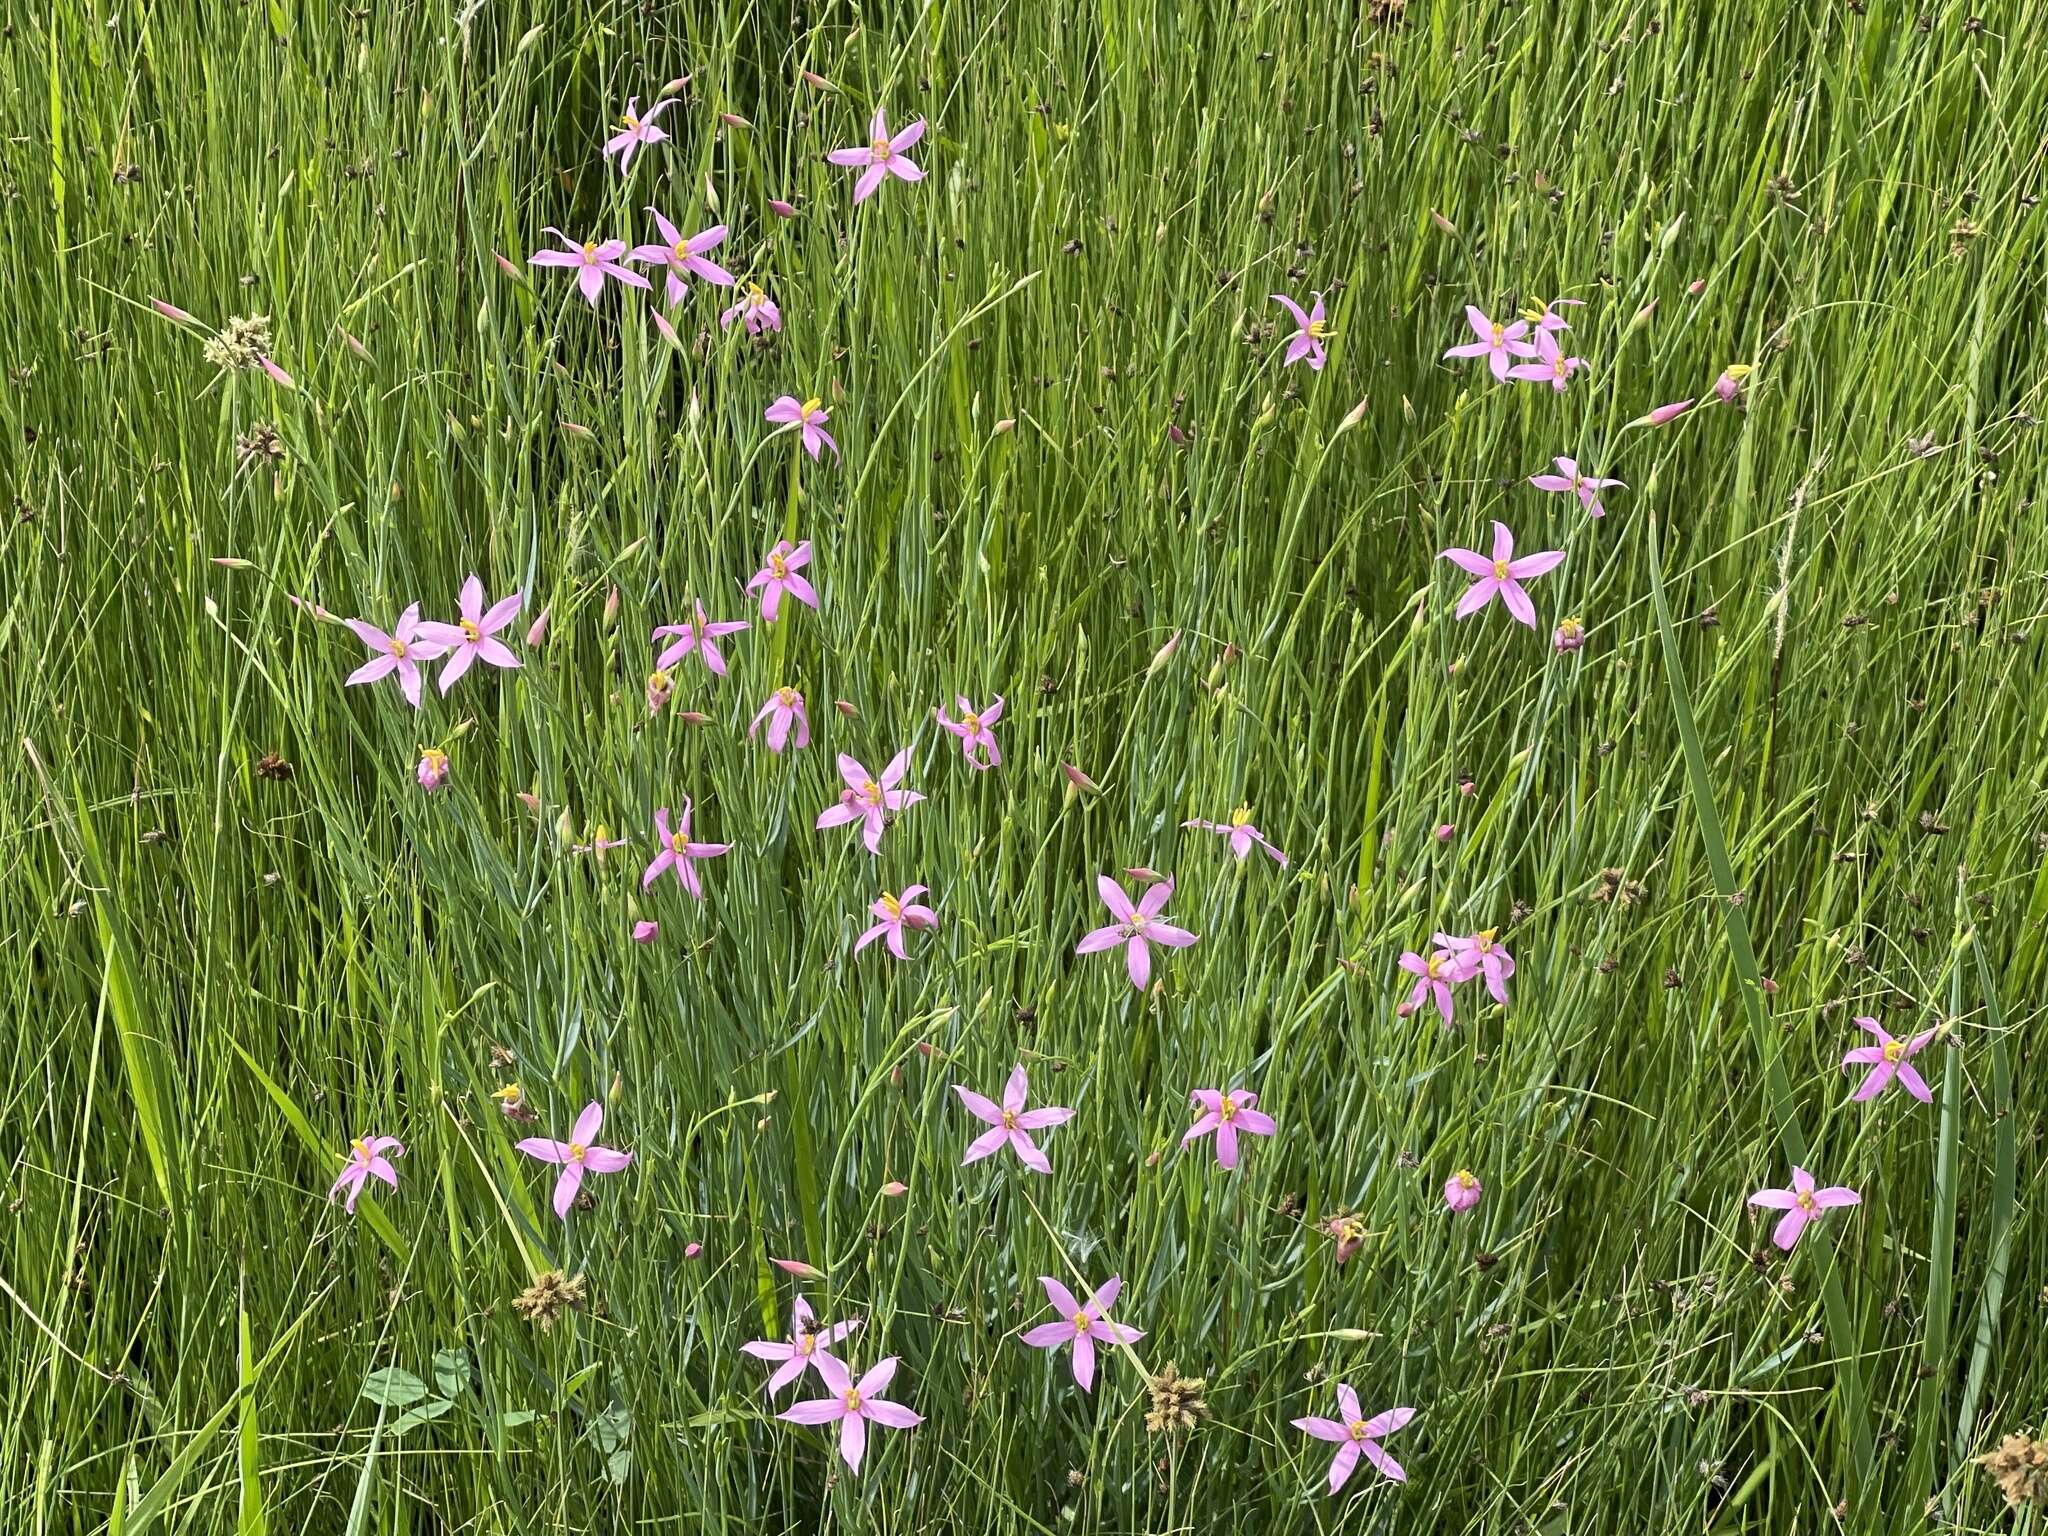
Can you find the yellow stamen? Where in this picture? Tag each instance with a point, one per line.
(1227, 1109)
(852, 1401)
(778, 566)
(1009, 1119)
(1895, 1050)
(469, 631)
(1080, 1322)
(1241, 817)
(398, 649)
(808, 407)
(879, 151)
(1500, 570)
(576, 1151)
(891, 905)
(787, 696)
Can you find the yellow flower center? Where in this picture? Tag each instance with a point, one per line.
(469, 631)
(1483, 941)
(1009, 1119)
(871, 792)
(676, 841)
(632, 122)
(361, 1148)
(1557, 365)
(1465, 1179)
(778, 566)
(972, 722)
(891, 905)
(433, 759)
(1806, 1202)
(398, 649)
(589, 252)
(1241, 817)
(1570, 628)
(1496, 335)
(1895, 1050)
(1227, 1109)
(511, 1093)
(1436, 966)
(576, 1151)
(1357, 1428)
(1317, 329)
(809, 407)
(879, 151)
(787, 697)
(755, 297)
(680, 251)
(852, 1400)
(657, 681)
(1500, 570)
(1080, 1322)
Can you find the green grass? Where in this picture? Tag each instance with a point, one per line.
(1804, 721)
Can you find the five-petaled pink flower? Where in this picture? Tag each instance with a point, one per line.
(1801, 1204)
(366, 1160)
(679, 853)
(809, 417)
(682, 258)
(893, 914)
(578, 1155)
(779, 575)
(594, 261)
(974, 733)
(637, 131)
(401, 651)
(1501, 574)
(808, 1345)
(1082, 1324)
(1242, 834)
(469, 639)
(1011, 1121)
(854, 1405)
(1584, 486)
(868, 800)
(1137, 926)
(1228, 1115)
(785, 707)
(1462, 1190)
(1355, 1435)
(1497, 343)
(1889, 1059)
(1310, 335)
(1434, 979)
(699, 635)
(755, 310)
(882, 156)
(1551, 365)
(1481, 954)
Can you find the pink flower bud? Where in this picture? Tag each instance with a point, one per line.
(781, 209)
(1445, 832)
(508, 268)
(675, 85)
(798, 1268)
(539, 630)
(693, 717)
(818, 80)
(645, 932)
(845, 708)
(277, 375)
(1077, 778)
(356, 347)
(693, 1250)
(668, 332)
(733, 120)
(611, 608)
(1662, 414)
(895, 1190)
(172, 312)
(1696, 287)
(1175, 436)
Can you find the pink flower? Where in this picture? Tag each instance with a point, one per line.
(1729, 385)
(868, 800)
(594, 261)
(755, 310)
(1310, 335)
(1082, 1324)
(1551, 366)
(433, 769)
(1496, 343)
(785, 707)
(1355, 1435)
(401, 651)
(779, 575)
(637, 130)
(366, 1160)
(599, 845)
(1662, 414)
(1584, 486)
(810, 417)
(1801, 1204)
(469, 639)
(882, 157)
(538, 630)
(1136, 927)
(1012, 1121)
(1228, 1115)
(172, 312)
(699, 635)
(681, 257)
(577, 1155)
(1481, 954)
(808, 1345)
(1462, 1190)
(973, 731)
(660, 689)
(1434, 979)
(854, 1405)
(1890, 1059)
(645, 932)
(1503, 574)
(892, 915)
(1570, 635)
(781, 209)
(1550, 319)
(1242, 834)
(1444, 831)
(679, 853)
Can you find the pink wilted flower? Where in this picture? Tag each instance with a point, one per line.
(1570, 478)
(1481, 954)
(594, 261)
(1242, 834)
(679, 853)
(1729, 385)
(1502, 574)
(366, 1160)
(1355, 1435)
(1462, 1190)
(893, 914)
(699, 635)
(868, 800)
(469, 639)
(1228, 1115)
(432, 771)
(646, 932)
(808, 1345)
(1890, 1059)
(1551, 365)
(1662, 414)
(1011, 1122)
(755, 310)
(779, 575)
(1082, 1324)
(660, 689)
(1496, 343)
(577, 1156)
(882, 156)
(854, 1405)
(1434, 979)
(636, 131)
(1570, 635)
(974, 732)
(785, 707)
(1310, 335)
(682, 257)
(1801, 1203)
(809, 417)
(401, 651)
(1137, 926)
